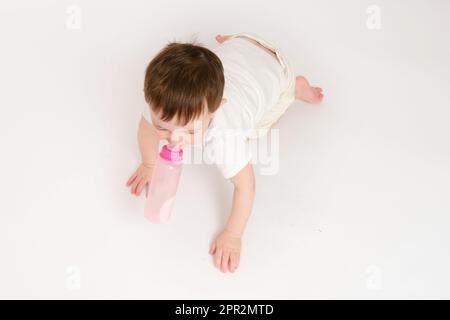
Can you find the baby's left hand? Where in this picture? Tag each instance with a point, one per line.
(226, 249)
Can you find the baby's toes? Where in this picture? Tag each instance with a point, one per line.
(220, 38)
(318, 93)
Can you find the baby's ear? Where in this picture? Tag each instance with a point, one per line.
(223, 101)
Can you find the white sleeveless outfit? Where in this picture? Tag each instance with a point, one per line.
(258, 90)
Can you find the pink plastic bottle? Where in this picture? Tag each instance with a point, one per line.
(164, 183)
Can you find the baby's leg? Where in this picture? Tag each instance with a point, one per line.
(303, 91)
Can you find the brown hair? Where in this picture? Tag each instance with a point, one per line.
(181, 78)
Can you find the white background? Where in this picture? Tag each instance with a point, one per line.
(359, 208)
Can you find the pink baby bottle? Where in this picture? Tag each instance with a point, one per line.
(164, 183)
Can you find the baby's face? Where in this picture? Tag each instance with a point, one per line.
(191, 133)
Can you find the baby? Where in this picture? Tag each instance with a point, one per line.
(219, 98)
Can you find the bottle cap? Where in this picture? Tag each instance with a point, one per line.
(172, 154)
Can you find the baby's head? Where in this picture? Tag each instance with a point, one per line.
(183, 86)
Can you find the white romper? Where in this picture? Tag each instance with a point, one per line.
(258, 90)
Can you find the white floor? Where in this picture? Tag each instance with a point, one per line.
(360, 207)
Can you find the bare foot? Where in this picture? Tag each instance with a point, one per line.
(303, 91)
(220, 38)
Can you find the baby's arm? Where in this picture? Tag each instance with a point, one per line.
(148, 145)
(148, 142)
(227, 246)
(243, 196)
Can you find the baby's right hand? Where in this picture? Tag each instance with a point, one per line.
(140, 178)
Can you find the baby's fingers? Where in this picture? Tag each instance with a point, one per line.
(131, 179)
(218, 258)
(135, 184)
(212, 248)
(234, 261)
(140, 186)
(225, 261)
